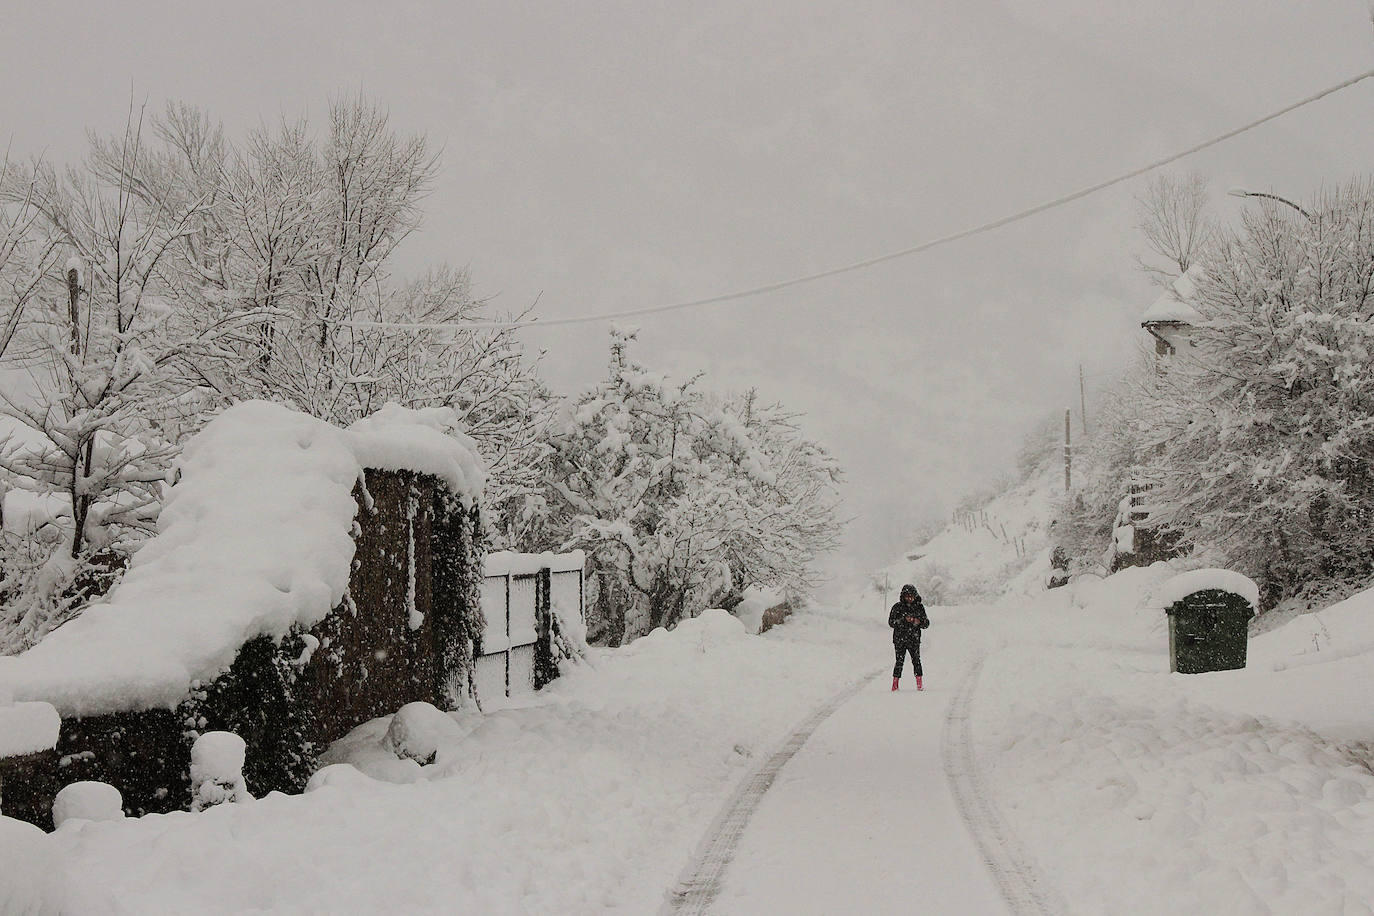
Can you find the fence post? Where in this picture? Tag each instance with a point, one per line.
(545, 670)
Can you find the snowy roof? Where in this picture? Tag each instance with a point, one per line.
(1185, 584)
(1175, 303)
(253, 540)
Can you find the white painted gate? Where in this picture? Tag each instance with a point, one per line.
(519, 618)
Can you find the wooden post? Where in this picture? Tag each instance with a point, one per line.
(1067, 452)
(1082, 400)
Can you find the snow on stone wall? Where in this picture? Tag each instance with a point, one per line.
(253, 540)
(26, 728)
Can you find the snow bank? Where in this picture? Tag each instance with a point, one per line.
(1147, 792)
(756, 600)
(32, 880)
(253, 540)
(1185, 584)
(588, 798)
(26, 728)
(1343, 630)
(999, 551)
(1140, 798)
(87, 800)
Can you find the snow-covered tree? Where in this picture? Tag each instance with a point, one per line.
(682, 499)
(1173, 221)
(1268, 433)
(111, 345)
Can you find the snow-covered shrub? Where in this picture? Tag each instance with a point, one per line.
(417, 731)
(681, 498)
(257, 697)
(217, 770)
(87, 800)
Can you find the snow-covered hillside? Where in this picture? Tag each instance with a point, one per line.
(981, 556)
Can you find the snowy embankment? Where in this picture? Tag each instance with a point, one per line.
(1148, 792)
(591, 798)
(1001, 549)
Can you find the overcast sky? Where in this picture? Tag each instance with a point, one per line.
(602, 156)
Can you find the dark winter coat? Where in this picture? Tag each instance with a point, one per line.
(905, 633)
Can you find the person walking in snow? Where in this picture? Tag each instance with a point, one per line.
(908, 618)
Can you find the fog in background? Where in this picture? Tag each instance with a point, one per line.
(601, 156)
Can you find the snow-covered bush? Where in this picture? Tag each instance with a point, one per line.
(87, 800)
(217, 770)
(681, 499)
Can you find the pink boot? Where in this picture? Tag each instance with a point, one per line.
(918, 684)
(894, 683)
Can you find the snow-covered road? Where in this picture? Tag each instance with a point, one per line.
(862, 820)
(1075, 774)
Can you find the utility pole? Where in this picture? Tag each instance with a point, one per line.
(1068, 460)
(1082, 401)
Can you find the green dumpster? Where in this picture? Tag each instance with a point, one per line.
(1208, 630)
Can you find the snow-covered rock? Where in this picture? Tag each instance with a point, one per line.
(756, 600)
(87, 800)
(418, 730)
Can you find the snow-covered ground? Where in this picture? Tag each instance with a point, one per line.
(1100, 780)
(589, 799)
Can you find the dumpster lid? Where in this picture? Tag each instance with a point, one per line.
(1226, 580)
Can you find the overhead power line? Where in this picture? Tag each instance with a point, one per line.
(873, 261)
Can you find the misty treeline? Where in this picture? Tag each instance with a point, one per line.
(176, 270)
(1251, 447)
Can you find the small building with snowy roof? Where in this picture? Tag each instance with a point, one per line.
(304, 579)
(1171, 318)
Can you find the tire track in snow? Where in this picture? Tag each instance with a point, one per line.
(700, 882)
(1023, 888)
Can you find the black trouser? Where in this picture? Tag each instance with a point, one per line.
(902, 648)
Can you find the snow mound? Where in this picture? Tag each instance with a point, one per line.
(31, 881)
(749, 611)
(253, 540)
(418, 730)
(1185, 584)
(87, 800)
(712, 629)
(337, 775)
